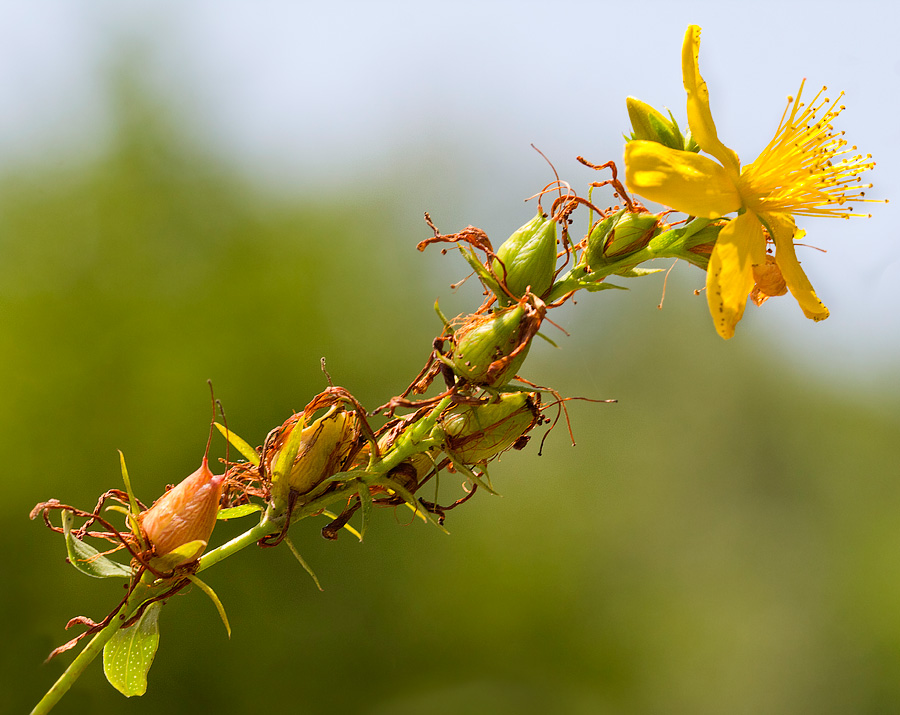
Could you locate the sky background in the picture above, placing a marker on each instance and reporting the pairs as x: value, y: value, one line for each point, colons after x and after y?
x: 302, y: 96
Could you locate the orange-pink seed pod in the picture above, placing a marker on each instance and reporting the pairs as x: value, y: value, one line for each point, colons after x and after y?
x: 185, y: 513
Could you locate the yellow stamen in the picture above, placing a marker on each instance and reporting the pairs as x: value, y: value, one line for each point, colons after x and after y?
x: 808, y: 168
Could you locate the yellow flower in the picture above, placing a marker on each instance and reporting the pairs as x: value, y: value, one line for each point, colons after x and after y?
x: 806, y: 170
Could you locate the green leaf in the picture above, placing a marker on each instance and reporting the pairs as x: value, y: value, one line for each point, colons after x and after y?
x: 212, y: 597
x: 465, y: 471
x: 633, y: 272
x: 129, y: 654
x: 594, y: 287
x: 178, y: 556
x: 306, y: 566
x: 236, y: 512
x: 365, y: 501
x: 132, y: 503
x: 407, y: 496
x: 346, y: 476
x: 86, y: 558
x: 247, y: 452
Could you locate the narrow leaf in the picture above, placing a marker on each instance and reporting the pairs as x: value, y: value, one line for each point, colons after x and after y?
x: 236, y: 512
x: 365, y: 501
x: 407, y: 496
x: 633, y: 272
x: 86, y: 558
x: 127, y: 657
x: 203, y: 586
x: 346, y: 476
x: 460, y: 467
x: 247, y: 452
x: 132, y: 503
x: 306, y: 566
x: 181, y: 555
x: 288, y: 454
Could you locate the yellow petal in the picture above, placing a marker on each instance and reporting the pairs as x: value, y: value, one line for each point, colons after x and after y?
x: 688, y: 182
x: 729, y: 277
x: 703, y: 129
x: 782, y: 228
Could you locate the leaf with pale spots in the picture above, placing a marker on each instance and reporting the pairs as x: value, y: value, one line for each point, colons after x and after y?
x: 127, y: 657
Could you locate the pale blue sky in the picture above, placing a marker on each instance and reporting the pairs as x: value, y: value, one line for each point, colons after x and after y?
x: 302, y: 95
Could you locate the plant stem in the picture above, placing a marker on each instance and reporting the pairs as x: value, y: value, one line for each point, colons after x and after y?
x: 90, y: 651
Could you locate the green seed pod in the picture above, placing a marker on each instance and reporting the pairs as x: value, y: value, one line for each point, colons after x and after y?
x: 618, y: 235
x: 651, y: 125
x: 323, y: 447
x: 477, y: 433
x: 489, y: 349
x: 527, y: 259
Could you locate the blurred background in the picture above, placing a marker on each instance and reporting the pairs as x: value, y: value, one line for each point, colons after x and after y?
x: 193, y: 191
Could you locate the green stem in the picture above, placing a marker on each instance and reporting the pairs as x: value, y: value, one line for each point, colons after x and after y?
x: 76, y: 668
x: 91, y: 651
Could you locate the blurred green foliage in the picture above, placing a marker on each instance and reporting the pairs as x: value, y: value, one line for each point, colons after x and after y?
x: 723, y: 540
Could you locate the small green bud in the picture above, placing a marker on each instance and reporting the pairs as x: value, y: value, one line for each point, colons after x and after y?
x: 651, y: 125
x: 477, y: 433
x: 692, y: 242
x: 527, y: 259
x: 619, y: 235
x: 489, y: 349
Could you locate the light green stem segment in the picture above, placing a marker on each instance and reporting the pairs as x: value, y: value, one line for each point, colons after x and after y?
x: 94, y: 647
x: 669, y: 244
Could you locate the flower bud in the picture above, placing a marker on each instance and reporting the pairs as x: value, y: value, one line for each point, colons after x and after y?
x: 477, y: 433
x: 324, y: 444
x: 619, y: 235
x: 527, y: 259
x: 489, y: 349
x: 688, y: 242
x: 184, y: 514
x: 651, y: 125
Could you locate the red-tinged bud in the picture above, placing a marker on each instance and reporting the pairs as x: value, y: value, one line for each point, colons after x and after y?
x: 184, y: 514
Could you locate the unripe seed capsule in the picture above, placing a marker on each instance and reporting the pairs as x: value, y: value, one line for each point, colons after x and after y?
x: 489, y: 349
x: 477, y: 433
x: 527, y: 259
x: 619, y: 235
